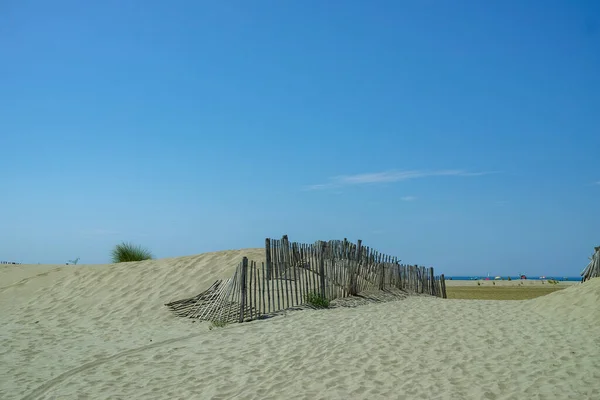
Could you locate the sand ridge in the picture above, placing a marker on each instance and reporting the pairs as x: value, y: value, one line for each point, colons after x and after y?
x: 102, y: 332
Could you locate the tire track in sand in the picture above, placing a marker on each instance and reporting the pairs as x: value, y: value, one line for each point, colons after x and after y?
x: 42, y: 389
x: 25, y: 280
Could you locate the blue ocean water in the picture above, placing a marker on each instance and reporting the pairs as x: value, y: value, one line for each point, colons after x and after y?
x: 537, y: 278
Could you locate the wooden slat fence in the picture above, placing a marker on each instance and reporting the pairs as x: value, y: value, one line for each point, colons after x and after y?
x: 295, y: 273
x: 593, y: 268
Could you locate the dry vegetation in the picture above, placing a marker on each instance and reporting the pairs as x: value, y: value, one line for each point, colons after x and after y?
x: 499, y: 292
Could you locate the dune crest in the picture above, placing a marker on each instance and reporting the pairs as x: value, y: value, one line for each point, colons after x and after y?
x: 121, y: 290
x: 580, y: 301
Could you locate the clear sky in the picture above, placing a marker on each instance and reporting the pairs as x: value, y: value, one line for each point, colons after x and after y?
x: 463, y: 135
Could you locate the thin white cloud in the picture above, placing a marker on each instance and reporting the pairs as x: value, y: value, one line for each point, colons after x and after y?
x: 388, y: 176
x: 317, y: 187
x: 408, y: 198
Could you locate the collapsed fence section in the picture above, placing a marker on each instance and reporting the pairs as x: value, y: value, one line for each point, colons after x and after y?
x: 302, y: 275
x: 593, y: 268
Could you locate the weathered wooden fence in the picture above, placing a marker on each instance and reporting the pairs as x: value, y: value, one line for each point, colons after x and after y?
x: 295, y: 275
x: 593, y: 268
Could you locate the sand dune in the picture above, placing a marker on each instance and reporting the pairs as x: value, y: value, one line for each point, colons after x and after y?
x: 577, y: 304
x: 102, y: 332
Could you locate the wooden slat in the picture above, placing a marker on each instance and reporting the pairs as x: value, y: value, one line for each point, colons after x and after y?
x: 262, y: 283
x: 276, y: 267
x: 443, y: 283
x: 314, y: 269
x: 302, y: 274
x: 322, y: 270
x: 249, y: 277
x: 256, y: 301
x: 243, y: 288
x: 268, y: 258
x: 294, y: 264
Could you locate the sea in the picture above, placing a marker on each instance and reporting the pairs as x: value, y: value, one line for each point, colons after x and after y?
x: 517, y: 277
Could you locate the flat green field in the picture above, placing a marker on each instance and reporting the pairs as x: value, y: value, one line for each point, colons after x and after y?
x: 499, y: 292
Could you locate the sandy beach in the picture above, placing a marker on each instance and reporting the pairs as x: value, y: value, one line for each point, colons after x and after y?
x: 512, y: 283
x: 103, y: 332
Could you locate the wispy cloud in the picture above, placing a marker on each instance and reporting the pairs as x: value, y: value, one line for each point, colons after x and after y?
x: 388, y: 176
x: 408, y: 198
x: 597, y: 183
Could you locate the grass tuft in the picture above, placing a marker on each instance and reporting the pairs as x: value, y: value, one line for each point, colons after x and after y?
x: 316, y: 300
x: 217, y: 324
x: 127, y: 252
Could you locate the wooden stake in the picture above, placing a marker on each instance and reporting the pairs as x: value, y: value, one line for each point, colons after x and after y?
x: 243, y: 288
x: 268, y: 258
x: 285, y: 251
x: 443, y: 283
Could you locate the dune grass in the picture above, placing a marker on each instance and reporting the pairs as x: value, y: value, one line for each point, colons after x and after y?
x: 316, y: 300
x: 499, y: 292
x: 127, y: 252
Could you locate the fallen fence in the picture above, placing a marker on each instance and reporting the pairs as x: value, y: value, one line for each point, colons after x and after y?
x: 304, y: 275
x: 593, y: 268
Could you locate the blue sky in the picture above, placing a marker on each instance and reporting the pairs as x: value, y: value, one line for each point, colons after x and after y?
x: 463, y: 135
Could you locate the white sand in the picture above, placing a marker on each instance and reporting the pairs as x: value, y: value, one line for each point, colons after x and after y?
x: 102, y: 332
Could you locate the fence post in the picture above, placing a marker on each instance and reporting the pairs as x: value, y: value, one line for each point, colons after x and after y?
x: 415, y: 271
x: 284, y: 259
x: 443, y: 284
x: 268, y: 258
x: 355, y: 266
x: 243, y: 288
x: 432, y: 277
x: 286, y: 251
x: 322, y: 268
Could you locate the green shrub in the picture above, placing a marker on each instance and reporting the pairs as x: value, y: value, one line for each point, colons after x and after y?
x: 509, y: 278
x: 316, y: 300
x: 126, y: 252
